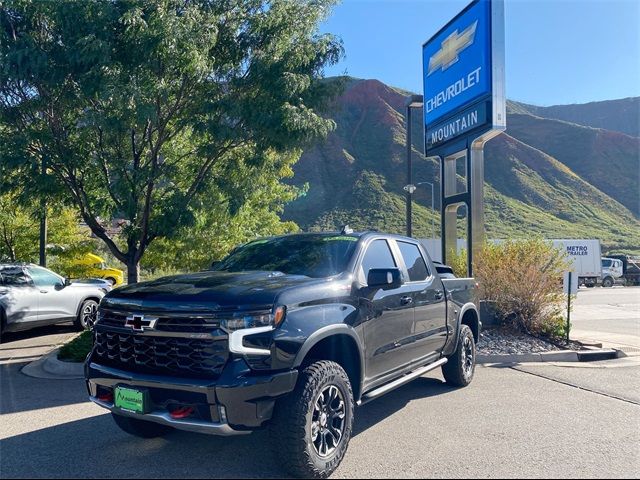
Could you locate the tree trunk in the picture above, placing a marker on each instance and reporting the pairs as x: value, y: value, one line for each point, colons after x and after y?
x: 133, y: 271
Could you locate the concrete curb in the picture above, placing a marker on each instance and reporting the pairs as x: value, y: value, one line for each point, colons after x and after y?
x: 49, y: 367
x: 555, y: 356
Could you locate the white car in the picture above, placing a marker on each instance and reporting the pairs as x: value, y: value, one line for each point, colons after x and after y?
x: 33, y: 296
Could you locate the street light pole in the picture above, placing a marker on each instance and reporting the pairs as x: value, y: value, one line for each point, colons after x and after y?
x: 413, y: 101
x: 410, y: 189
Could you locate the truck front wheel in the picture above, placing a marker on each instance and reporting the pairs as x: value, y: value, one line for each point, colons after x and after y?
x: 460, y: 367
x: 140, y: 428
x: 312, y: 425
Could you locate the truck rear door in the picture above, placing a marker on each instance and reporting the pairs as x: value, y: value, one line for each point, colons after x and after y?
x: 430, y: 312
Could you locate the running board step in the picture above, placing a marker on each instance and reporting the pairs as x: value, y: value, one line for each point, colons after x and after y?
x: 386, y: 388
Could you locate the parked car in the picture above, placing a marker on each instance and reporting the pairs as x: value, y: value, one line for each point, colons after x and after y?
x: 106, y: 285
x: 611, y: 272
x: 33, y: 296
x: 98, y: 268
x: 290, y: 332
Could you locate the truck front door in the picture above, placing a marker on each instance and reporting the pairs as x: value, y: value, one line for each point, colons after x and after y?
x: 387, y: 316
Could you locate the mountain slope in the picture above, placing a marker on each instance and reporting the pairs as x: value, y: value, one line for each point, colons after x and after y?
x: 357, y: 175
x: 608, y: 160
x: 621, y: 115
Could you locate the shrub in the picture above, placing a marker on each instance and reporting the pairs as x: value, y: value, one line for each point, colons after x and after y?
x: 458, y: 262
x: 524, y: 279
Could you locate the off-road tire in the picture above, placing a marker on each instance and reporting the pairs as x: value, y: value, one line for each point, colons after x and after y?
x: 457, y: 371
x: 80, y: 322
x: 140, y: 428
x: 291, y: 427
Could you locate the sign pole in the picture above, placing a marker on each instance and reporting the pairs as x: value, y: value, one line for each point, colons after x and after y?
x: 464, y: 107
x: 569, y: 308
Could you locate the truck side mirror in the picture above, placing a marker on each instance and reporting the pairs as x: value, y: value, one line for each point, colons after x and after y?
x: 384, y: 278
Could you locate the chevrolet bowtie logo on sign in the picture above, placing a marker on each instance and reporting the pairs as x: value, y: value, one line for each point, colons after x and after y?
x: 140, y: 323
x: 451, y: 48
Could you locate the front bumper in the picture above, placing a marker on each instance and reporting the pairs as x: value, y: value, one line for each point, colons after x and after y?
x: 234, y: 404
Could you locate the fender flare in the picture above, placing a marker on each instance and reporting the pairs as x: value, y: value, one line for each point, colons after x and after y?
x: 331, y: 331
x: 464, y: 309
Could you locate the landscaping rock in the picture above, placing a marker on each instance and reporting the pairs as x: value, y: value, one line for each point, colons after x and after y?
x: 500, y: 341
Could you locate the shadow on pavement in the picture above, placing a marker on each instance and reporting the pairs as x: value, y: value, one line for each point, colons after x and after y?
x: 96, y: 447
x: 372, y: 413
x: 21, y: 393
x: 11, y: 337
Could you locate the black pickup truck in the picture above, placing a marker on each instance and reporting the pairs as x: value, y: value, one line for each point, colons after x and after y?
x: 290, y: 332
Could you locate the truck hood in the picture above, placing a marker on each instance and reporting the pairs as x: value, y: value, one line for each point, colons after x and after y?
x: 205, y: 291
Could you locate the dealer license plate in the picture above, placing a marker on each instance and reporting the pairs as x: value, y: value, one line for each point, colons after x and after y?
x: 129, y: 399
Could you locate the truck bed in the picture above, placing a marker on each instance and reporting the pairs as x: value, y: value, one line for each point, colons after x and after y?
x: 462, y: 290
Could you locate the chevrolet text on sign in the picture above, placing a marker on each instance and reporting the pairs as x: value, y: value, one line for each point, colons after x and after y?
x: 460, y: 80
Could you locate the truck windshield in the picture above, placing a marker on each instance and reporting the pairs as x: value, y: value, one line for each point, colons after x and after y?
x: 314, y: 256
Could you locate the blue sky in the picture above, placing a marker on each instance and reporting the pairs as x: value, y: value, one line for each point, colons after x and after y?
x: 557, y: 51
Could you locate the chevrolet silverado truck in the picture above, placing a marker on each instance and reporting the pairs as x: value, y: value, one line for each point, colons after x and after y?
x: 289, y: 333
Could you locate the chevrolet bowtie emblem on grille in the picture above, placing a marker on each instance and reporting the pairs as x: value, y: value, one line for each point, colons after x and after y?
x: 140, y: 323
x: 451, y: 48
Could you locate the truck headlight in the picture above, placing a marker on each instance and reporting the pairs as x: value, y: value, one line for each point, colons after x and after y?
x: 244, y: 320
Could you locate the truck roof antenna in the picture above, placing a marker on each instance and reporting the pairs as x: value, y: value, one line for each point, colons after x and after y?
x: 346, y: 230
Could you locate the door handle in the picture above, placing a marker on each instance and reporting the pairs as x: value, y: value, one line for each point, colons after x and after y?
x: 406, y: 300
x: 439, y: 294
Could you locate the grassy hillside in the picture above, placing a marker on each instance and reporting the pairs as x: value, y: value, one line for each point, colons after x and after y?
x: 357, y: 175
x: 621, y: 115
x: 608, y: 160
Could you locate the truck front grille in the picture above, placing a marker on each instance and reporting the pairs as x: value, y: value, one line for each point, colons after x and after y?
x: 183, y: 356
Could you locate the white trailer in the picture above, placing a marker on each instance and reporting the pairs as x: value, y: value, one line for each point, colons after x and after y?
x: 585, y: 258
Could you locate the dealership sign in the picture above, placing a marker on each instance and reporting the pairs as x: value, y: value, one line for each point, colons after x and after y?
x: 464, y: 76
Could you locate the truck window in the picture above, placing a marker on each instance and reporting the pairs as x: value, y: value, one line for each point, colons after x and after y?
x: 314, y: 256
x: 606, y: 263
x: 378, y: 255
x: 416, y: 265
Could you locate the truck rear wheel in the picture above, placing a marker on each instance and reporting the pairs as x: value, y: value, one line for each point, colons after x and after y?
x: 140, y: 428
x: 460, y: 367
x: 312, y: 425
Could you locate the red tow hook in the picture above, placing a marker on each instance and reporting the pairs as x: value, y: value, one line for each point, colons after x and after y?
x: 182, y: 412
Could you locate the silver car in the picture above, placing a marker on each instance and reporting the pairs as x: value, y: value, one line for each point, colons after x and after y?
x: 33, y: 296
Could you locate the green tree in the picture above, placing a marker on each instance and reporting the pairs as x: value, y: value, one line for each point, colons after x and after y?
x: 19, y: 235
x: 140, y: 109
x: 216, y: 231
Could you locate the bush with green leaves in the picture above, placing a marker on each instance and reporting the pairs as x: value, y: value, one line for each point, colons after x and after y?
x: 523, y: 279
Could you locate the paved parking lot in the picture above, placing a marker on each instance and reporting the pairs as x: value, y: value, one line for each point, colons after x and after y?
x: 507, y: 423
x: 531, y: 420
x: 610, y: 316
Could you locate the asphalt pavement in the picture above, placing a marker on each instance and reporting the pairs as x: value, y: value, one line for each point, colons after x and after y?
x: 610, y: 316
x: 529, y: 420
